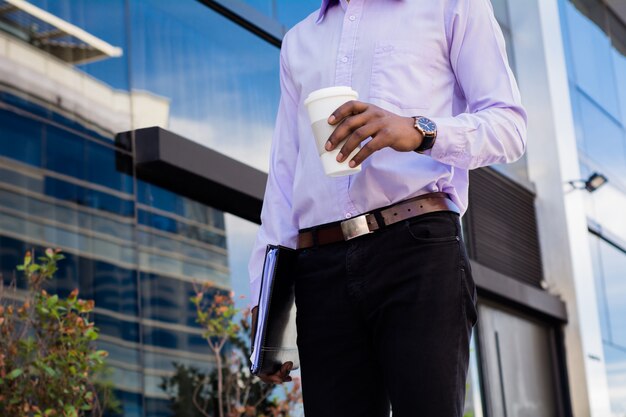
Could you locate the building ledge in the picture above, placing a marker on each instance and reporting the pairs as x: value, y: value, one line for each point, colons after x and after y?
x: 499, y: 286
x: 192, y: 170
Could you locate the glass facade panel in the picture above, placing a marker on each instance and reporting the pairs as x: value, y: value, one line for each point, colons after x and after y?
x: 241, y: 236
x: 132, y: 247
x: 501, y: 10
x: 20, y: 139
x: 606, y: 208
x: 597, y: 74
x: 603, y: 138
x: 619, y: 68
x: 600, y: 285
x: 615, y: 359
x: 287, y: 12
x: 103, y: 19
x: 220, y: 81
x: 291, y: 12
x: 610, y: 280
x: 264, y: 6
x: 591, y: 51
x: 473, y: 386
x: 613, y: 266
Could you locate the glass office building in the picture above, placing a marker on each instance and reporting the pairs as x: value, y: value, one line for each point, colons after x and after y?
x: 75, y: 74
x: 595, y: 44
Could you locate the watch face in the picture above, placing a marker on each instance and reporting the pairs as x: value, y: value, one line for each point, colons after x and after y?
x: 427, y: 125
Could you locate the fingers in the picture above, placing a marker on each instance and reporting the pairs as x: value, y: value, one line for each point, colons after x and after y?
x: 358, y: 136
x: 347, y: 109
x: 347, y: 127
x: 369, y: 148
x: 282, y: 375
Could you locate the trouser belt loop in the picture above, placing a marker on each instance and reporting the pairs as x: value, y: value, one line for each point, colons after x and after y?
x: 380, y: 220
x: 315, y: 238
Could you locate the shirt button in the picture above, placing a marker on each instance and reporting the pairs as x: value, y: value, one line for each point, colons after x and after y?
x: 348, y: 215
x: 344, y: 59
x: 352, y: 17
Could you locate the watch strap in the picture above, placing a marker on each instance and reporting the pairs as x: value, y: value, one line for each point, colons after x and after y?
x: 428, y: 138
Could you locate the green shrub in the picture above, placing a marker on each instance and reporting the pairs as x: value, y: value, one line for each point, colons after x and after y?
x: 48, y: 362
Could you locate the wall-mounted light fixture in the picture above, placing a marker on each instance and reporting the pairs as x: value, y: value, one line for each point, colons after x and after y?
x: 591, y: 184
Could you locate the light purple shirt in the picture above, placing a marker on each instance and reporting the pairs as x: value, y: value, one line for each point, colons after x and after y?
x: 442, y: 59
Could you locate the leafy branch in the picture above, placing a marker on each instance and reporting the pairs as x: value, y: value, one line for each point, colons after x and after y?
x: 48, y: 362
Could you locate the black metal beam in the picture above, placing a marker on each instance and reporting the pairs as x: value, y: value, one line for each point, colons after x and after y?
x: 246, y: 16
x: 197, y: 172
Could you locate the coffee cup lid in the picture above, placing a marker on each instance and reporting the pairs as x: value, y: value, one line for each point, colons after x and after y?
x: 330, y: 92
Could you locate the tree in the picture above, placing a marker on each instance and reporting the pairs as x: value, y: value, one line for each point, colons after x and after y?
x: 48, y: 362
x: 228, y: 389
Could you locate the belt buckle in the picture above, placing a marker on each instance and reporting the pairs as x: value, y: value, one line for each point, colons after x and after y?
x: 355, y: 227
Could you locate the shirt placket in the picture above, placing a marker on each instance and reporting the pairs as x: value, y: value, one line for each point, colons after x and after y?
x: 343, y: 76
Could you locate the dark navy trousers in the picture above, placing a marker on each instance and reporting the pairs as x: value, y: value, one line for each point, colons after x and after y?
x: 384, y: 321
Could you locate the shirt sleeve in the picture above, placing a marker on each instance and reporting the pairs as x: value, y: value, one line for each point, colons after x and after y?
x: 493, y: 128
x: 277, y: 224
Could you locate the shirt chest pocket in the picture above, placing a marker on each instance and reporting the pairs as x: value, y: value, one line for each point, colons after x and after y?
x: 402, y: 74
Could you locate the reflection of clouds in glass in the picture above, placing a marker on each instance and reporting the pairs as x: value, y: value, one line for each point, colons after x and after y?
x: 613, y: 264
x: 246, y: 142
x: 221, y: 80
x: 609, y: 203
x: 616, y: 373
x: 195, y: 57
x: 241, y: 235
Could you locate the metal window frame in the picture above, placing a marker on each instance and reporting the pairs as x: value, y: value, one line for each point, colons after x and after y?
x: 250, y: 19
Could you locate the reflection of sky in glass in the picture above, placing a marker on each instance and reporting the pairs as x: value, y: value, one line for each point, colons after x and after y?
x: 614, y: 272
x: 607, y: 208
x: 222, y: 81
x: 598, y: 77
x: 600, y: 286
x: 291, y: 12
x: 591, y: 53
x: 240, y: 236
x: 610, y: 280
x: 287, y: 12
x: 222, y: 86
x: 619, y: 61
x: 603, y: 138
x: 103, y: 19
x: 616, y: 373
x: 264, y: 6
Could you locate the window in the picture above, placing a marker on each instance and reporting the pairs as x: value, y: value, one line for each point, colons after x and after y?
x: 610, y: 280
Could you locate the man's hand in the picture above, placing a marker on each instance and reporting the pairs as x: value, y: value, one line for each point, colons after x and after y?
x: 282, y: 375
x: 358, y: 121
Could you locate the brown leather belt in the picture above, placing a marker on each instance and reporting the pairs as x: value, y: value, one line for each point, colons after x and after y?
x: 370, y: 222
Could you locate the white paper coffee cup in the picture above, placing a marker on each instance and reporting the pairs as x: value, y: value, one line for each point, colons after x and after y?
x: 320, y: 105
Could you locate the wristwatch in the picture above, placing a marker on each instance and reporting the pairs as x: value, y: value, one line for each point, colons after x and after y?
x: 428, y: 129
